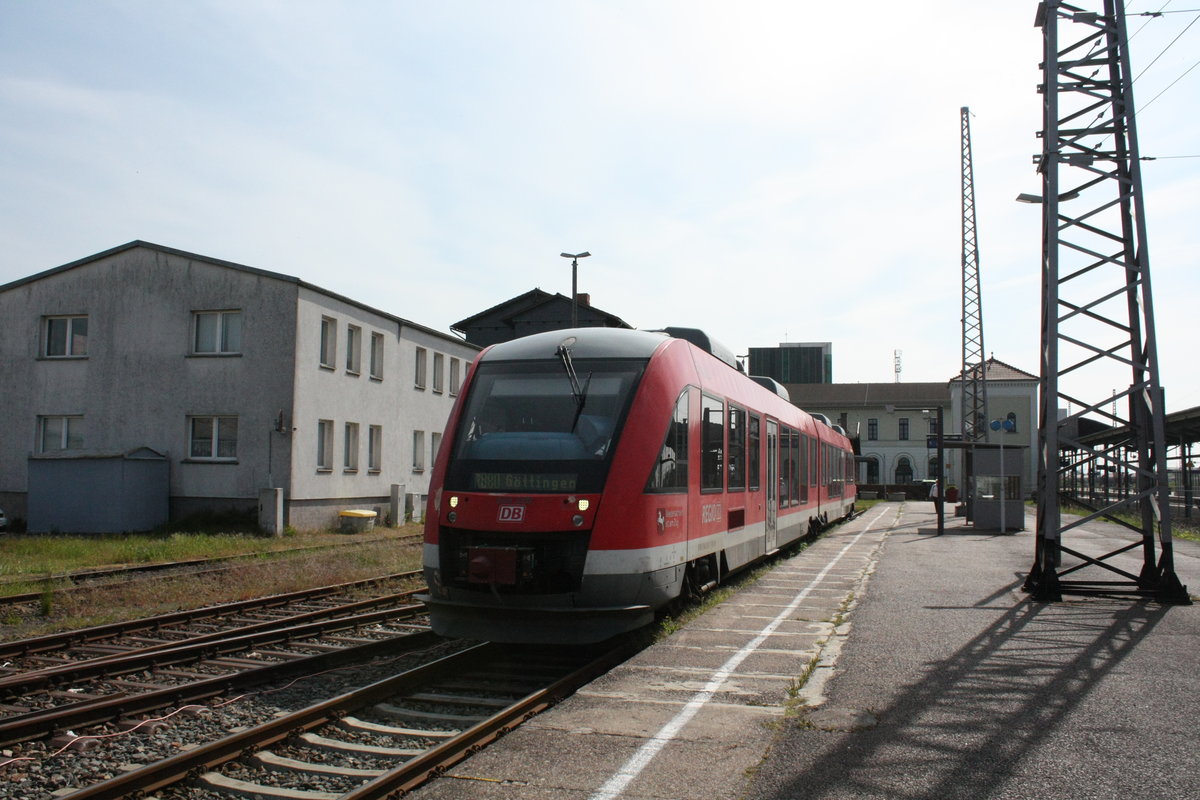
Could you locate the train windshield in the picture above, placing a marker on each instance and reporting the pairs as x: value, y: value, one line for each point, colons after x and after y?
x: 541, y: 426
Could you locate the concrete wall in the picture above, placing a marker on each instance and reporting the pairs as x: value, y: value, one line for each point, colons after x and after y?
x: 393, y: 401
x: 140, y: 382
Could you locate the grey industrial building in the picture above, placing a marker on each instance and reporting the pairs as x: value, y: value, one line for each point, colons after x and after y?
x: 214, y: 381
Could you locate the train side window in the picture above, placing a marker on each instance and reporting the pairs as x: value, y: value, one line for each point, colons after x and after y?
x: 798, y: 492
x: 670, y: 472
x: 712, y: 443
x: 787, y: 466
x: 753, y: 452
x: 812, y: 459
x: 737, y: 449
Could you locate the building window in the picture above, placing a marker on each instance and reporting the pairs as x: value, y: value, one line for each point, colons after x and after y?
x: 350, y: 450
x: 325, y: 445
x: 435, y: 444
x: 328, y: 342
x: 66, y: 337
x: 60, y: 433
x: 872, y: 470
x: 419, y: 374
x: 217, y: 332
x: 455, y: 380
x: 872, y: 429
x: 353, y: 349
x: 377, y: 356
x: 375, y: 448
x: 904, y: 470
x: 213, y: 438
x: 439, y: 369
x: 903, y: 429
x: 418, y: 458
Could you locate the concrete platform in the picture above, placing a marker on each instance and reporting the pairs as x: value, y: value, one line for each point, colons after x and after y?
x: 884, y: 661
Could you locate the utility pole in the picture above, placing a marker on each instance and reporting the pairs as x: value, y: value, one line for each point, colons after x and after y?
x: 1097, y: 311
x: 974, y: 377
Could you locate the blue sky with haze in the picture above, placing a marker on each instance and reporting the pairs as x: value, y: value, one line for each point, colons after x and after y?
x: 768, y: 171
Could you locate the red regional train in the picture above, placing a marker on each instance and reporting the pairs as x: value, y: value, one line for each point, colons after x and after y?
x: 589, y: 477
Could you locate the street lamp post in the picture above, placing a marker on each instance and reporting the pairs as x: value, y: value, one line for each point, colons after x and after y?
x: 941, y: 462
x: 575, y: 284
x: 1006, y: 425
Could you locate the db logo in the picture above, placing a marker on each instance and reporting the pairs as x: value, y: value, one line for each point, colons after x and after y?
x: 512, y: 514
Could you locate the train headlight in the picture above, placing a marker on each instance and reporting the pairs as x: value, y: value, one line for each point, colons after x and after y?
x: 583, y: 505
x: 452, y: 516
x: 577, y: 520
x: 454, y: 501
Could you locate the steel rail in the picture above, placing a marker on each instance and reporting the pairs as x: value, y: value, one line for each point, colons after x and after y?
x: 437, y: 760
x: 172, y: 770
x: 58, y: 641
x: 140, y: 782
x: 40, y: 724
x: 204, y: 647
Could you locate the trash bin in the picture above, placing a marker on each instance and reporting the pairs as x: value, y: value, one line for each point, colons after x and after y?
x: 356, y: 520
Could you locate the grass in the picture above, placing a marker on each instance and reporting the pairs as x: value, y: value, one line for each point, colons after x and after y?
x: 273, y: 570
x: 37, y: 557
x: 1180, y: 529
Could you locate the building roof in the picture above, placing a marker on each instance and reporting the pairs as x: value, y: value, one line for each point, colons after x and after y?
x: 138, y: 243
x: 518, y: 305
x: 867, y: 395
x: 995, y: 370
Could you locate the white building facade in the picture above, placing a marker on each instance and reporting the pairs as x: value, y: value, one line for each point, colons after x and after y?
x: 895, y: 423
x: 243, y: 379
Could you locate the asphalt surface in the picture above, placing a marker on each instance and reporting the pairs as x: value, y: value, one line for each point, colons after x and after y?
x: 952, y: 684
x: 884, y: 661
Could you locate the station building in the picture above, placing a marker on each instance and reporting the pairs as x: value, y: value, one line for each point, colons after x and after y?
x: 895, y: 422
x: 224, y: 380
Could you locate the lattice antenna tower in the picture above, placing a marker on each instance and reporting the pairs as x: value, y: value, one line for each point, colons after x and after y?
x: 1097, y: 313
x: 974, y: 377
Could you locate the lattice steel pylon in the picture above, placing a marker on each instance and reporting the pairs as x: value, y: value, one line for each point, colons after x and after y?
x: 1097, y: 314
x: 974, y: 387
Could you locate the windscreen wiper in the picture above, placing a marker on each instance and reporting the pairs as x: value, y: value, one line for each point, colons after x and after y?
x: 579, y: 393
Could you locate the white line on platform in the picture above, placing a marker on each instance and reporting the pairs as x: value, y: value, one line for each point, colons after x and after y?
x: 613, y: 787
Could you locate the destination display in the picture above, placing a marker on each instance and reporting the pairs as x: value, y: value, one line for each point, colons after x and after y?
x: 523, y: 482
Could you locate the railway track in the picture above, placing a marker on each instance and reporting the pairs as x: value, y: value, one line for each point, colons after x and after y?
x: 377, y: 740
x: 116, y: 683
x: 167, y: 630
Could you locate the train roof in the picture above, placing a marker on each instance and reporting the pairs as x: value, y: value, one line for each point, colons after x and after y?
x: 583, y: 343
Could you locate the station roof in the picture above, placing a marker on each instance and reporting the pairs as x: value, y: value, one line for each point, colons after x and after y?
x: 1181, y: 427
x: 816, y: 396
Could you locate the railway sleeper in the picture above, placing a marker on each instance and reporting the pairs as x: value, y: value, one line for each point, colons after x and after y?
x: 458, y: 699
x: 258, y: 791
x: 339, y: 746
x: 464, y: 721
x: 285, y: 655
x: 352, y: 723
x: 500, y: 684
x: 279, y: 763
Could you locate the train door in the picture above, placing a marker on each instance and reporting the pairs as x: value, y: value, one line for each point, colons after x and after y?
x: 772, y: 515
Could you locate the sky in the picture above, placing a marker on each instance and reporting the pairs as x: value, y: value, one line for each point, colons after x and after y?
x: 766, y: 171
